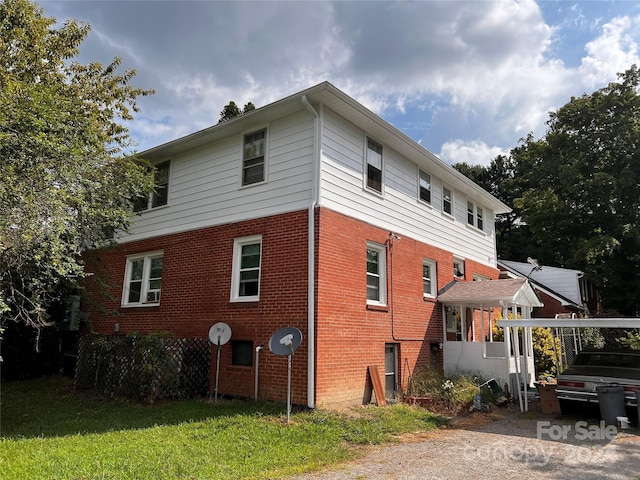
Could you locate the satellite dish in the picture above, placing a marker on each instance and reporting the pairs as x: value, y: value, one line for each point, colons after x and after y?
x: 220, y: 333
x: 285, y: 341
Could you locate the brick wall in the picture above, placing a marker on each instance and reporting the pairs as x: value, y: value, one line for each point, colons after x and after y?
x: 196, y: 286
x: 351, y: 336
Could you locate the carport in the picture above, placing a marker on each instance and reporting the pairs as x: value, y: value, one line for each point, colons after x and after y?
x: 558, y: 323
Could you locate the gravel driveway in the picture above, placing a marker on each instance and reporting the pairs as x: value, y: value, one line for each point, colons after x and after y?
x: 503, y: 445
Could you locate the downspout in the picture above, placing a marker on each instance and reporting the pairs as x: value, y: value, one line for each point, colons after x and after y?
x: 390, y: 242
x: 311, y: 256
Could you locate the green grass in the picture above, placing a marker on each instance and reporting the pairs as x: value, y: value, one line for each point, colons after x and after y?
x: 49, y: 432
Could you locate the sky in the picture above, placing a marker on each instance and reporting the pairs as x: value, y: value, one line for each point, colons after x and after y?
x: 465, y: 79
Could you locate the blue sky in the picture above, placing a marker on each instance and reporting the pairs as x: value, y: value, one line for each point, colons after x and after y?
x: 466, y: 79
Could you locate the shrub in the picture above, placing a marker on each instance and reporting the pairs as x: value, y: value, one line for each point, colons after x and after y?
x: 447, y: 394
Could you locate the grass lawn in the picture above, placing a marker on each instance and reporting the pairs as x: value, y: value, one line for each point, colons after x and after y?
x: 49, y: 432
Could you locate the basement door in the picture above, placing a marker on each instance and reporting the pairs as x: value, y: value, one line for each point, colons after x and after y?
x: 391, y: 371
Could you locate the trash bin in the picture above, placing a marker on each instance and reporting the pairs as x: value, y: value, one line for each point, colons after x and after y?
x: 611, y: 400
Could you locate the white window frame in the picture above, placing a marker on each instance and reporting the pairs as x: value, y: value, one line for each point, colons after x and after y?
x: 238, y: 244
x: 475, y: 215
x: 265, y: 155
x: 145, y: 289
x: 460, y: 267
x: 381, y: 274
x: 471, y: 213
x: 430, y: 189
x: 151, y: 198
x: 480, y: 218
x: 451, y: 213
x: 433, y: 279
x: 366, y: 165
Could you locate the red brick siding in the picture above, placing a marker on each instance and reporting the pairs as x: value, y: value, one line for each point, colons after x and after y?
x: 196, y: 286
x: 349, y: 336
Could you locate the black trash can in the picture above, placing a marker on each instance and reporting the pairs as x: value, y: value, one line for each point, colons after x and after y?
x: 611, y: 400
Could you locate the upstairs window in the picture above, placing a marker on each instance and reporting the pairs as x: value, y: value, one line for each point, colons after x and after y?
x: 474, y: 216
x: 471, y: 215
x: 479, y: 219
x: 245, y: 284
x: 376, y: 274
x: 429, y: 280
x: 160, y: 195
x: 253, y: 157
x: 447, y: 201
x: 142, y: 280
x: 424, y: 187
x: 374, y: 165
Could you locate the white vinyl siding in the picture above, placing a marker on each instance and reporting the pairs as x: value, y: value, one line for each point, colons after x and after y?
x: 398, y: 210
x: 206, y: 189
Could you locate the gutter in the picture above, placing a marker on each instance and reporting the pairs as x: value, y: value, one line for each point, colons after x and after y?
x: 311, y: 257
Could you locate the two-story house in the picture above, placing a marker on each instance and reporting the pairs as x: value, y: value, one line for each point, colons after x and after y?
x: 311, y: 212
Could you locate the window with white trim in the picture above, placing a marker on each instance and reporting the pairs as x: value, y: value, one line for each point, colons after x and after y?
x: 374, y: 165
x: 429, y: 279
x: 245, y: 282
x: 160, y: 194
x: 471, y: 214
x: 458, y: 268
x: 376, y: 274
x: 447, y: 201
x: 253, y: 157
x: 142, y: 280
x: 424, y: 186
x: 474, y: 215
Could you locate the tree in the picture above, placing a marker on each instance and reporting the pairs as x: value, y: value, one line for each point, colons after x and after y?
x: 232, y: 110
x: 67, y: 183
x: 576, y: 191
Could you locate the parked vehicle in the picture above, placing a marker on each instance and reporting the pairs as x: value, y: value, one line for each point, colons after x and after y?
x: 595, y: 368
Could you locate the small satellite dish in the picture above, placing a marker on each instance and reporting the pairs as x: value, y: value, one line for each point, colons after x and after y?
x: 285, y: 341
x: 220, y: 333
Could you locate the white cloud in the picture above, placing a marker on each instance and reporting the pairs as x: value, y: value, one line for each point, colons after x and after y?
x: 474, y: 152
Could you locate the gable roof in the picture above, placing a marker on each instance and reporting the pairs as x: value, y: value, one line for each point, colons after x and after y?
x: 331, y: 97
x: 489, y: 293
x: 560, y: 283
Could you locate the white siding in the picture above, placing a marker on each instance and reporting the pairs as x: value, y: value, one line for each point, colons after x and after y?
x: 205, y: 189
x: 398, y: 208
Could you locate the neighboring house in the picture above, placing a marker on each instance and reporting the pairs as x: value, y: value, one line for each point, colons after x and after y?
x: 562, y: 290
x: 310, y: 212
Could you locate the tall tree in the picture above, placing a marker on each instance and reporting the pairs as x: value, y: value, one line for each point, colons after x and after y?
x: 232, y: 110
x: 576, y: 191
x: 66, y: 181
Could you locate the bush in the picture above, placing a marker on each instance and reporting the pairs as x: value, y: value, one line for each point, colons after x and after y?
x: 447, y: 394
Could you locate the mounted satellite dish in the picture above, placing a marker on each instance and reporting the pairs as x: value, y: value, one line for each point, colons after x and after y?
x: 220, y: 333
x: 285, y: 341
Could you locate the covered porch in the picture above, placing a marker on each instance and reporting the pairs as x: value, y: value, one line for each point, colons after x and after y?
x: 473, y: 344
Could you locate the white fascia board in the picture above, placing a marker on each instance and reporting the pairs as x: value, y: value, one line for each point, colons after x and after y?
x: 572, y: 322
